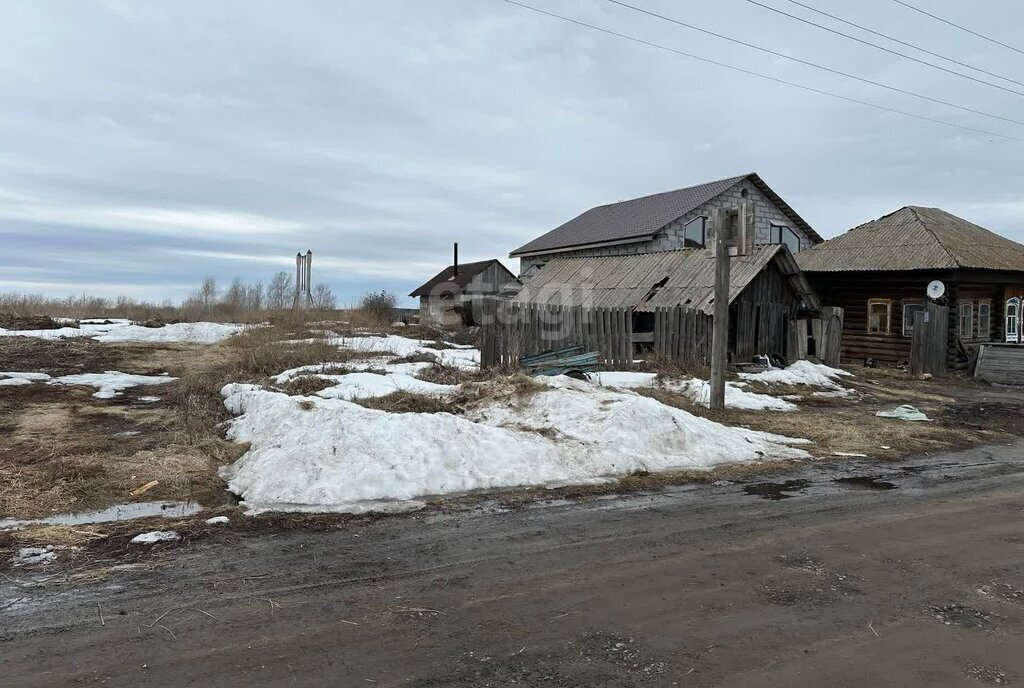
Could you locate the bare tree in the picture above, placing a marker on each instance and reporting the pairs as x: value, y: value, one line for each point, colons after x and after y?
x: 234, y: 297
x: 378, y: 306
x: 254, y: 297
x: 281, y: 290
x: 323, y: 297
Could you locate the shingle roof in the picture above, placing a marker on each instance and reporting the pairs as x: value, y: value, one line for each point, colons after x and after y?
x: 467, y: 271
x: 686, y: 277
x: 914, y: 238
x: 640, y: 218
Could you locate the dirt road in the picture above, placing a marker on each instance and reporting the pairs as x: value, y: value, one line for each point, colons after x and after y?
x: 911, y: 574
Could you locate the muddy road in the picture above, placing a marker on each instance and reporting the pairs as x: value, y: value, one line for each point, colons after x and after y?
x: 849, y: 574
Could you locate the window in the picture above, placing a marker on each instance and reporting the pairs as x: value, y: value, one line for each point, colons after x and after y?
x: 1013, y: 320
x: 878, y: 316
x: 693, y: 233
x: 966, y: 318
x: 909, y: 309
x: 781, y: 234
x: 984, y: 319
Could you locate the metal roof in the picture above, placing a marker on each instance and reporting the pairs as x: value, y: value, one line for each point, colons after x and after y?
x: 914, y: 238
x: 641, y: 218
x: 467, y: 271
x: 648, y: 280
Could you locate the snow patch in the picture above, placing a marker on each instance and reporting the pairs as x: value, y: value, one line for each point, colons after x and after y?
x: 155, y: 536
x: 338, y: 456
x: 699, y: 391
x: 364, y: 385
x: 121, y: 330
x: 111, y: 383
x: 217, y: 521
x: 800, y: 373
x: 623, y: 379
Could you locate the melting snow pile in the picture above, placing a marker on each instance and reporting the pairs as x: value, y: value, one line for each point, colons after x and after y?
x: 32, y: 556
x: 124, y: 331
x: 363, y: 385
x: 333, y: 455
x: 736, y: 397
x: 800, y: 373
x: 696, y: 390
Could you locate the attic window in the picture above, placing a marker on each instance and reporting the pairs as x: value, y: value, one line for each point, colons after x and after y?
x: 693, y: 233
x: 781, y: 234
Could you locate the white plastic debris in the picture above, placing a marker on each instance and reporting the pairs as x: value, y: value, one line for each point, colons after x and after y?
x: 904, y: 412
x: 155, y: 536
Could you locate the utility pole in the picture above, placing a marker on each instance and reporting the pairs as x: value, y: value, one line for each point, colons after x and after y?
x: 721, y: 220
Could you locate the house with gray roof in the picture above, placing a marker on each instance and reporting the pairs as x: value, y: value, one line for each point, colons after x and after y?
x: 669, y: 221
x: 878, y: 272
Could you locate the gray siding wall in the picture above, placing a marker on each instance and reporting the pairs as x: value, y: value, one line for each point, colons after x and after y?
x: 490, y: 281
x: 671, y: 237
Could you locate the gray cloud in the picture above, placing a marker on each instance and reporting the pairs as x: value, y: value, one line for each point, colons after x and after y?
x: 147, y: 145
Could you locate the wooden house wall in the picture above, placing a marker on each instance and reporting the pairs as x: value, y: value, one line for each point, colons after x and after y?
x: 852, y: 291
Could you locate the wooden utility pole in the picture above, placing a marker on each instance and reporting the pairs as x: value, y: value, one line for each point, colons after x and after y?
x: 721, y: 219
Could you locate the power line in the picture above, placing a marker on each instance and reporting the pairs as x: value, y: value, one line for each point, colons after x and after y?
x: 895, y: 89
x: 962, y: 28
x: 902, y: 42
x: 803, y: 87
x: 882, y: 47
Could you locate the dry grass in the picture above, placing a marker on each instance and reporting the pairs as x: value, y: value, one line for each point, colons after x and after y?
x: 402, y: 401
x: 838, y: 425
x: 307, y: 385
x: 449, y: 375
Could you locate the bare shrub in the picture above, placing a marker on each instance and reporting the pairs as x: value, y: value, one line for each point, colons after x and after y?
x: 378, y: 307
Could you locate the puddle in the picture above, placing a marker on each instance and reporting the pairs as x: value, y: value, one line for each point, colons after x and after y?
x: 121, y: 512
x: 776, y: 490
x: 865, y: 482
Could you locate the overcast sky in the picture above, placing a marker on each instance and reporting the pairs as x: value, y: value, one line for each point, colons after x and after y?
x: 146, y: 145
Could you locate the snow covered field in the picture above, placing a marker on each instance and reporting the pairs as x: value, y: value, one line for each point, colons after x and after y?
x: 124, y: 331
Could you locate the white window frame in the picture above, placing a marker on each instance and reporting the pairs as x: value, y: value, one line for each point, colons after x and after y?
x: 908, y: 323
x: 703, y: 231
x: 969, y: 305
x: 1014, y: 334
x: 775, y: 236
x: 888, y: 314
x: 986, y: 331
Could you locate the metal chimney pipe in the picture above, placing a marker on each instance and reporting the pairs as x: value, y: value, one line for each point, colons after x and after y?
x: 309, y: 273
x: 455, y: 261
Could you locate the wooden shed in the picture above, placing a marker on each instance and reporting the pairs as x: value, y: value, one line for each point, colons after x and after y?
x: 878, y: 273
x: 452, y: 296
x: 658, y: 292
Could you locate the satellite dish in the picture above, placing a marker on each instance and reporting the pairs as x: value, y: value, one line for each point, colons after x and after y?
x: 936, y: 289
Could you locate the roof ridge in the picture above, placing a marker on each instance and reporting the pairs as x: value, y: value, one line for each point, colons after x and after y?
x: 924, y: 225
x: 735, y: 178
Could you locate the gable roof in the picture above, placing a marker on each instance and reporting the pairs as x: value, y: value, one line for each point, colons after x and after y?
x: 915, y: 238
x: 467, y: 271
x: 686, y: 277
x: 640, y: 219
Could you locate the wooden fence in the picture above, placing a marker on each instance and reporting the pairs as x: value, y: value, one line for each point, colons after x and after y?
x: 510, y: 331
x: 930, y: 340
x: 682, y: 334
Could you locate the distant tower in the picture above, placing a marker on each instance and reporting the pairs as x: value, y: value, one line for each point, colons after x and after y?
x: 304, y: 279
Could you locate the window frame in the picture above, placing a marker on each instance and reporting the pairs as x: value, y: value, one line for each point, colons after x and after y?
x: 703, y: 231
x: 888, y: 315
x: 909, y: 331
x: 969, y: 305
x: 775, y: 236
x: 985, y: 333
x: 1016, y: 302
